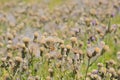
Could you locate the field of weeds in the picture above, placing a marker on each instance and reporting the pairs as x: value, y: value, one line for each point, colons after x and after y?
x: 59, y: 40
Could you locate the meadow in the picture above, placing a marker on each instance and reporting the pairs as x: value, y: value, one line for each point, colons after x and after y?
x: 59, y: 40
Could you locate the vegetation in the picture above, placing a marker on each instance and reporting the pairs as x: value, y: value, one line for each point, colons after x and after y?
x: 59, y: 40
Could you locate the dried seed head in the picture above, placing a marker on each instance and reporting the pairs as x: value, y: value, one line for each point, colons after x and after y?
x: 6, y: 77
x: 26, y: 40
x: 10, y: 36
x: 10, y: 42
x: 18, y: 59
x: 89, y: 74
x: 37, y: 78
x: 81, y: 44
x: 9, y: 55
x: 89, y: 54
x: 3, y: 59
x: 58, y: 65
x: 42, y: 49
x: 73, y: 39
x: 112, y: 62
x: 22, y: 46
x: 80, y: 52
x: 97, y: 50
x: 118, y: 72
x: 118, y: 55
x: 92, y: 11
x: 1, y: 44
x: 24, y: 68
x: 68, y: 47
x: 106, y: 48
x: 62, y: 46
x: 100, y: 65
x: 48, y: 78
x: 36, y: 34
x: 9, y: 46
x: 112, y: 70
x: 59, y: 56
x: 103, y: 70
x: 50, y: 70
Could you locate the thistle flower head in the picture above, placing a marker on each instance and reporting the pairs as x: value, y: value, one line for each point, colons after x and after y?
x: 18, y: 59
x: 118, y: 72
x: 10, y: 36
x: 26, y: 41
x: 68, y: 47
x: 3, y: 59
x: 100, y: 65
x: 118, y: 55
x: 106, y: 48
x: 111, y: 70
x: 48, y: 78
x: 36, y: 34
x: 112, y: 62
x: 9, y: 55
x: 73, y: 39
x: 97, y: 50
